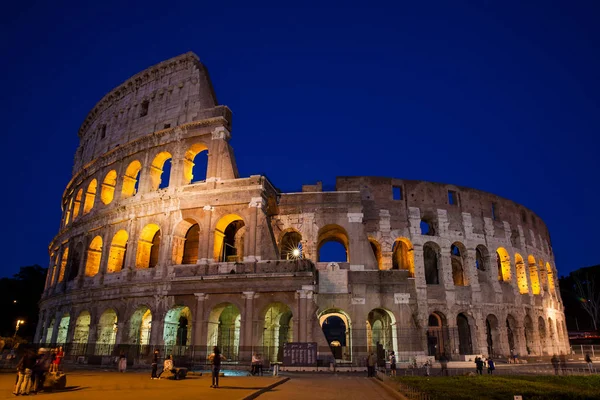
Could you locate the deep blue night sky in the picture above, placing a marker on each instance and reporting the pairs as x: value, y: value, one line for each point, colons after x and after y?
x: 501, y: 96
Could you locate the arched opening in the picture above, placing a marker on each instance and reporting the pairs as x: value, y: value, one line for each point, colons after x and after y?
x: 81, y: 332
x: 437, y: 335
x: 430, y: 259
x: 63, y: 264
x: 465, y: 344
x: 68, y: 212
x: 195, y: 163
x: 139, y: 326
x: 160, y: 171
x: 107, y: 194
x: 278, y: 329
x: 529, y: 343
x: 521, y: 274
x: 229, y: 239
x: 382, y: 335
x: 290, y: 245
x: 403, y: 256
x: 178, y: 329
x: 511, y: 326
x: 337, y: 328
x: 107, y: 332
x: 131, y: 179
x: 186, y: 242
x: 492, y: 334
x: 427, y: 227
x: 74, y: 262
x: 90, y: 196
x: 63, y: 329
x: 551, y: 287
x: 332, y: 244
x: 77, y: 205
x: 533, y: 275
x: 49, y: 331
x: 543, y: 275
x: 224, y: 330
x: 118, y: 251
x: 458, y: 255
x: 551, y: 333
x: 148, y: 247
x: 94, y: 255
x: 376, y: 249
x: 542, y: 332
x: 503, y: 263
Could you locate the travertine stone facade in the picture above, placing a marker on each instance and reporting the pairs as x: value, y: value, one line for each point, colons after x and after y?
x: 191, y: 258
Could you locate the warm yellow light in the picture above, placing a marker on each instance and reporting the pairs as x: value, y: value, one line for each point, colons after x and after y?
x: 296, y: 252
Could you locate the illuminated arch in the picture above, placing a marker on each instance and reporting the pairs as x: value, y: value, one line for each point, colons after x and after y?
x: 63, y: 264
x: 376, y: 249
x: 224, y: 322
x: 550, y: 278
x: 186, y: 242
x: 290, y: 245
x: 107, y: 193
x: 156, y: 170
x: 403, y: 255
x: 503, y: 263
x: 381, y: 328
x: 229, y: 238
x: 278, y: 329
x: 458, y: 256
x: 90, y: 196
x: 94, y: 255
x: 190, y: 160
x: 336, y: 315
x: 131, y: 179
x: 81, y: 333
x: 533, y: 275
x: 77, y: 204
x: 521, y: 274
x: 63, y: 329
x: 68, y: 211
x: 333, y: 233
x: 140, y: 325
x: 118, y: 250
x: 107, y: 332
x: 148, y: 247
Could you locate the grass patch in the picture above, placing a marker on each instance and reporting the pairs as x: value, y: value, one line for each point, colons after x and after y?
x: 505, y: 387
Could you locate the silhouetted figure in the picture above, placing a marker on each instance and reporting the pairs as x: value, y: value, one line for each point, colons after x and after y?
x: 479, y: 365
x: 371, y: 362
x: 491, y: 366
x: 588, y: 360
x: 444, y: 363
x: 154, y: 364
x: 215, y: 359
x: 555, y: 362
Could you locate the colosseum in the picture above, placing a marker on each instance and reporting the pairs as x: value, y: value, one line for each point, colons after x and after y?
x: 163, y: 244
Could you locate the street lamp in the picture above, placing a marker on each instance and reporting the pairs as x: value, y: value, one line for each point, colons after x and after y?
x: 19, y: 323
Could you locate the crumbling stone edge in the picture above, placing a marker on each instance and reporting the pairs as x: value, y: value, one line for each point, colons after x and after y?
x: 266, y: 389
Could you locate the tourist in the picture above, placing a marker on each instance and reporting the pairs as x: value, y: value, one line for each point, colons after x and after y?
x: 42, y: 365
x: 254, y: 364
x: 444, y: 363
x: 392, y: 364
x: 58, y: 356
x: 259, y: 367
x: 371, y: 361
x: 167, y: 365
x: 479, y: 365
x: 122, y: 362
x: 25, y: 369
x: 554, y: 360
x: 215, y: 359
x: 588, y: 360
x: 427, y: 366
x: 490, y: 366
x: 154, y: 364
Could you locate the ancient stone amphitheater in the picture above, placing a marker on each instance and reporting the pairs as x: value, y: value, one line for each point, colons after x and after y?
x: 163, y: 244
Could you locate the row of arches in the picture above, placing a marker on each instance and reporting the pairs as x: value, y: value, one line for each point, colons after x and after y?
x: 81, y: 201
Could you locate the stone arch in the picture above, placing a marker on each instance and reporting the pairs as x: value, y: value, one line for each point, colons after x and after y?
x: 107, y: 332
x: 68, y: 211
x: 492, y: 335
x: 148, y: 247
x: 131, y: 179
x: 94, y: 256
x: 77, y: 204
x: 81, y: 333
x: 90, y: 196
x: 140, y: 325
x: 178, y: 327
x: 533, y: 275
x: 192, y: 155
x: 482, y: 258
x: 74, y: 261
x: 63, y: 264
x: 107, y: 193
x: 229, y: 238
x: 63, y: 329
x: 403, y: 255
x: 521, y: 274
x: 458, y: 255
x: 437, y: 335
x: 290, y: 245
x: 224, y: 324
x: 337, y: 328
x: 503, y: 263
x: 465, y: 338
x: 543, y: 337
x: 427, y: 225
x: 278, y: 329
x: 550, y: 274
x: 117, y: 252
x: 551, y: 332
x: 529, y: 340
x: 156, y: 171
x: 431, y: 259
x: 186, y: 242
x: 381, y: 329
x: 511, y: 334
x: 333, y: 233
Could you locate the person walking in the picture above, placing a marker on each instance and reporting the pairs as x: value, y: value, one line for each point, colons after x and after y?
x: 490, y: 366
x: 554, y: 360
x: 392, y: 364
x: 154, y: 364
x: 122, y: 361
x: 371, y: 361
x: 215, y: 359
x: 588, y: 360
x: 444, y: 363
x: 479, y: 365
x: 167, y: 365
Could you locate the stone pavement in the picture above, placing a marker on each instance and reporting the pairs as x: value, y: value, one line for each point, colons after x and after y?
x: 325, y: 386
x: 96, y: 385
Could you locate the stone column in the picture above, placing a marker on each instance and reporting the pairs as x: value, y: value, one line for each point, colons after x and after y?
x: 520, y: 341
x: 121, y: 328
x: 216, y: 154
x: 57, y: 318
x: 199, y: 323
x: 256, y: 204
x: 158, y: 323
x: 301, y: 295
x: 205, y: 252
x: 247, y: 342
x: 40, y: 325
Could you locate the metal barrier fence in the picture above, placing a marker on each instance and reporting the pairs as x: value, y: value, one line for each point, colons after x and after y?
x: 583, y: 349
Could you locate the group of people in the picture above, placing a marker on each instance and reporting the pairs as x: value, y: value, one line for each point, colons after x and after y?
x: 33, y: 367
x: 480, y: 363
x: 215, y: 359
x: 167, y: 365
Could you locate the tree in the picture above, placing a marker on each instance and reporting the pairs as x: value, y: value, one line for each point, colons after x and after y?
x: 586, y: 289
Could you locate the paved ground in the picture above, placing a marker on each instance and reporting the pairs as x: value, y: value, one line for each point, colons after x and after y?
x: 96, y: 385
x: 303, y: 386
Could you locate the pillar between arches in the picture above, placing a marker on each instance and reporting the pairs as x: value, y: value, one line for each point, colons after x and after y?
x: 247, y: 322
x: 199, y: 325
